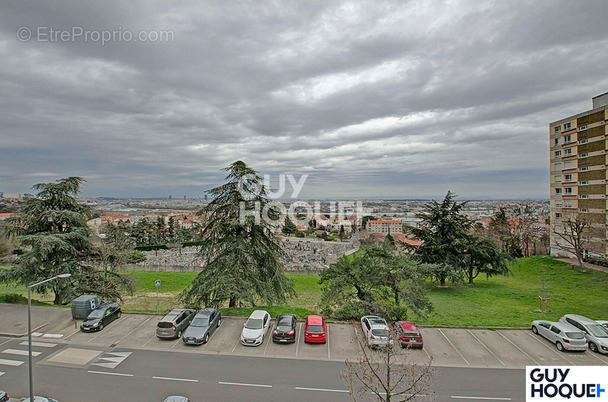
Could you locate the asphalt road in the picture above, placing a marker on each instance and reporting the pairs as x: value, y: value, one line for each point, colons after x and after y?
x: 152, y: 375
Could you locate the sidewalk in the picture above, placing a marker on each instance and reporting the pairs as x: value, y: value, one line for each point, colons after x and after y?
x: 13, y: 321
x: 585, y: 264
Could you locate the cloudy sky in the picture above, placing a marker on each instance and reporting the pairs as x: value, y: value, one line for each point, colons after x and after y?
x: 395, y: 99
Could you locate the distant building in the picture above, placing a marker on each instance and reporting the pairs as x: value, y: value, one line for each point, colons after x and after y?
x: 384, y: 226
x: 578, y: 161
x: 11, y: 196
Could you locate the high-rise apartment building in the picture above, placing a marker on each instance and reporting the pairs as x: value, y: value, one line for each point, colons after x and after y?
x: 578, y: 158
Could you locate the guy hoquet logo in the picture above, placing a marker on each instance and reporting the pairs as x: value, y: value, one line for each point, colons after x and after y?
x: 579, y: 383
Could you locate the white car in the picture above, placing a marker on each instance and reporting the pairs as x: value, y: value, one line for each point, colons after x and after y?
x: 561, y: 334
x: 375, y: 330
x: 255, y: 329
x: 595, y: 333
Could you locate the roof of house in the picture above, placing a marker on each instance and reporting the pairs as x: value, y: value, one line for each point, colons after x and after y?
x: 382, y: 221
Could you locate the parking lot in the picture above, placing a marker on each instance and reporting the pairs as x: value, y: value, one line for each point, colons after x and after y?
x: 448, y: 347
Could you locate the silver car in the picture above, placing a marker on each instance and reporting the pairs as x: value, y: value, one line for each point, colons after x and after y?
x: 561, y: 334
x: 376, y: 331
x: 255, y: 329
x: 595, y: 333
x: 174, y: 323
x: 205, y: 322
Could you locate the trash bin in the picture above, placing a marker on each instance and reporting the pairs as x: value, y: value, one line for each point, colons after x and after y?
x: 83, y: 305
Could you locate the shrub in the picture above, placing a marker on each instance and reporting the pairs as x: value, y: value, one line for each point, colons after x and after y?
x: 13, y: 298
x: 136, y: 256
x: 152, y: 247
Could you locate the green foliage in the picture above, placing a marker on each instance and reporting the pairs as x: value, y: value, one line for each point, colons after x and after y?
x: 299, y: 233
x: 191, y: 243
x: 375, y: 281
x: 367, y: 218
x: 136, y: 256
x: 13, y: 298
x: 289, y: 228
x: 241, y: 260
x: 152, y: 247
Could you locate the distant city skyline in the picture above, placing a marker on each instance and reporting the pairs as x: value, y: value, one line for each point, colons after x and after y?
x: 371, y: 99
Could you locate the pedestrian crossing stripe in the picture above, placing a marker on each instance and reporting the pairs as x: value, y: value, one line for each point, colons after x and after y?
x: 112, y: 359
x: 13, y: 363
x: 20, y: 352
x: 40, y: 344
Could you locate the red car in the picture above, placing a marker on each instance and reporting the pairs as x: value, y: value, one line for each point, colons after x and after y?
x: 314, y: 329
x: 409, y: 335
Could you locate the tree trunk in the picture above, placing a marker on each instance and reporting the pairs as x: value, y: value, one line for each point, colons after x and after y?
x: 232, y: 302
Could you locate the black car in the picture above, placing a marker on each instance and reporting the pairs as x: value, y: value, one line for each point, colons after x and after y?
x: 101, y: 316
x: 204, y: 323
x: 284, y: 330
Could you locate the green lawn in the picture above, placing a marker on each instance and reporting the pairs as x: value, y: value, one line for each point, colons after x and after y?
x: 499, y: 301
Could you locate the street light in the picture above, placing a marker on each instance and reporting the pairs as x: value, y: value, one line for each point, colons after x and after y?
x: 29, y: 326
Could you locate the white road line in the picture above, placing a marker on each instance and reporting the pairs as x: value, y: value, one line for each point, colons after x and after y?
x: 597, y: 357
x: 108, y: 373
x: 1, y: 373
x: 267, y: 342
x: 174, y: 379
x: 483, y: 398
x: 20, y: 352
x: 542, y: 342
x: 149, y: 340
x: 427, y: 353
x: 518, y: 348
x: 322, y: 389
x: 457, y: 351
x: 130, y: 332
x: 327, y: 341
x: 178, y: 340
x: 298, y: 340
x: 236, y: 344
x: 482, y: 344
x: 242, y: 384
x: 40, y: 344
x: 72, y: 334
x: 52, y: 336
x: 13, y: 363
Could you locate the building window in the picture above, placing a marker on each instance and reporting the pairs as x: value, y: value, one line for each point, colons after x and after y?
x: 583, y: 196
x: 583, y: 155
x: 558, y: 166
x: 568, y: 204
x: 568, y: 190
x: 568, y: 177
x: 582, y: 128
x: 568, y: 152
x: 583, y: 210
x: 567, y: 126
x: 557, y: 129
x: 567, y: 139
x: 583, y: 182
x: 558, y: 215
x: 583, y: 169
x: 583, y: 141
x: 558, y: 154
x: 558, y: 191
x: 568, y: 165
x: 558, y: 179
x: 555, y: 141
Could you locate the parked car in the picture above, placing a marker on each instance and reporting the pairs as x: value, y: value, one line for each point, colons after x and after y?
x: 603, y: 323
x: 376, y: 332
x: 284, y: 328
x: 4, y: 396
x: 595, y: 333
x: 176, y: 398
x: 561, y: 334
x: 203, y: 325
x: 255, y: 329
x: 314, y: 329
x: 409, y: 334
x: 38, y: 398
x: 101, y: 316
x: 174, y: 323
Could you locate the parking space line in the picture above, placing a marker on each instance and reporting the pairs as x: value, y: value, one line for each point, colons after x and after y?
x: 110, y: 373
x: 481, y: 398
x: 242, y: 384
x: 597, y: 357
x: 174, y: 379
x: 518, y: 348
x: 298, y: 340
x: 176, y: 342
x: 427, y: 353
x: 236, y: 344
x: 154, y: 336
x: 1, y: 373
x: 543, y: 342
x: 482, y: 344
x: 327, y: 341
x: 322, y: 389
x: 267, y: 342
x: 450, y: 342
x: 130, y: 332
x: 72, y: 334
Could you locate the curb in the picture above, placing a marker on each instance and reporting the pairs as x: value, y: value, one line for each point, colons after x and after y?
x: 9, y: 335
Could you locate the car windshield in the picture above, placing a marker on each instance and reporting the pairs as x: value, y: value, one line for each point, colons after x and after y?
x: 96, y: 314
x: 315, y: 328
x: 598, y: 331
x: 379, y: 332
x: 253, y: 323
x: 200, y: 322
x: 575, y: 335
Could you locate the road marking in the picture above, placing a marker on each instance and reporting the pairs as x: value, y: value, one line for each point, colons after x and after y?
x: 7, y: 341
x: 108, y: 373
x: 484, y: 398
x: 1, y: 373
x: 322, y: 389
x: 178, y: 340
x: 457, y: 351
x: 518, y: 348
x: 427, y: 353
x: 13, y: 363
x: 298, y: 340
x: 20, y: 352
x: 597, y: 357
x: 236, y: 344
x: 327, y: 341
x: 551, y: 349
x: 149, y: 318
x: 52, y: 336
x: 149, y: 340
x: 245, y: 384
x: 267, y: 342
x: 40, y: 344
x: 482, y: 344
x: 112, y: 359
x: 72, y: 334
x: 174, y: 379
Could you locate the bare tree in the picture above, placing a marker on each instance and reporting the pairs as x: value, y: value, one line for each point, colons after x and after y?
x: 386, y: 374
x: 572, y: 234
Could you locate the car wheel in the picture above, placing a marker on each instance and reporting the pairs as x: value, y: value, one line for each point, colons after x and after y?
x: 559, y: 345
x: 100, y: 327
x: 179, y: 333
x: 593, y: 347
x: 534, y: 329
x: 206, y: 338
x: 119, y: 314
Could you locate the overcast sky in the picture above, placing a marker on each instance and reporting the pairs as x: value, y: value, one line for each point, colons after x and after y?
x: 395, y: 99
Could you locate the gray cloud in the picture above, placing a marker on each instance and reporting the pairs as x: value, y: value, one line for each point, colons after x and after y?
x: 368, y: 98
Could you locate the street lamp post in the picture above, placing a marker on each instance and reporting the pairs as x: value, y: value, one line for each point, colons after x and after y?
x: 29, y: 326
